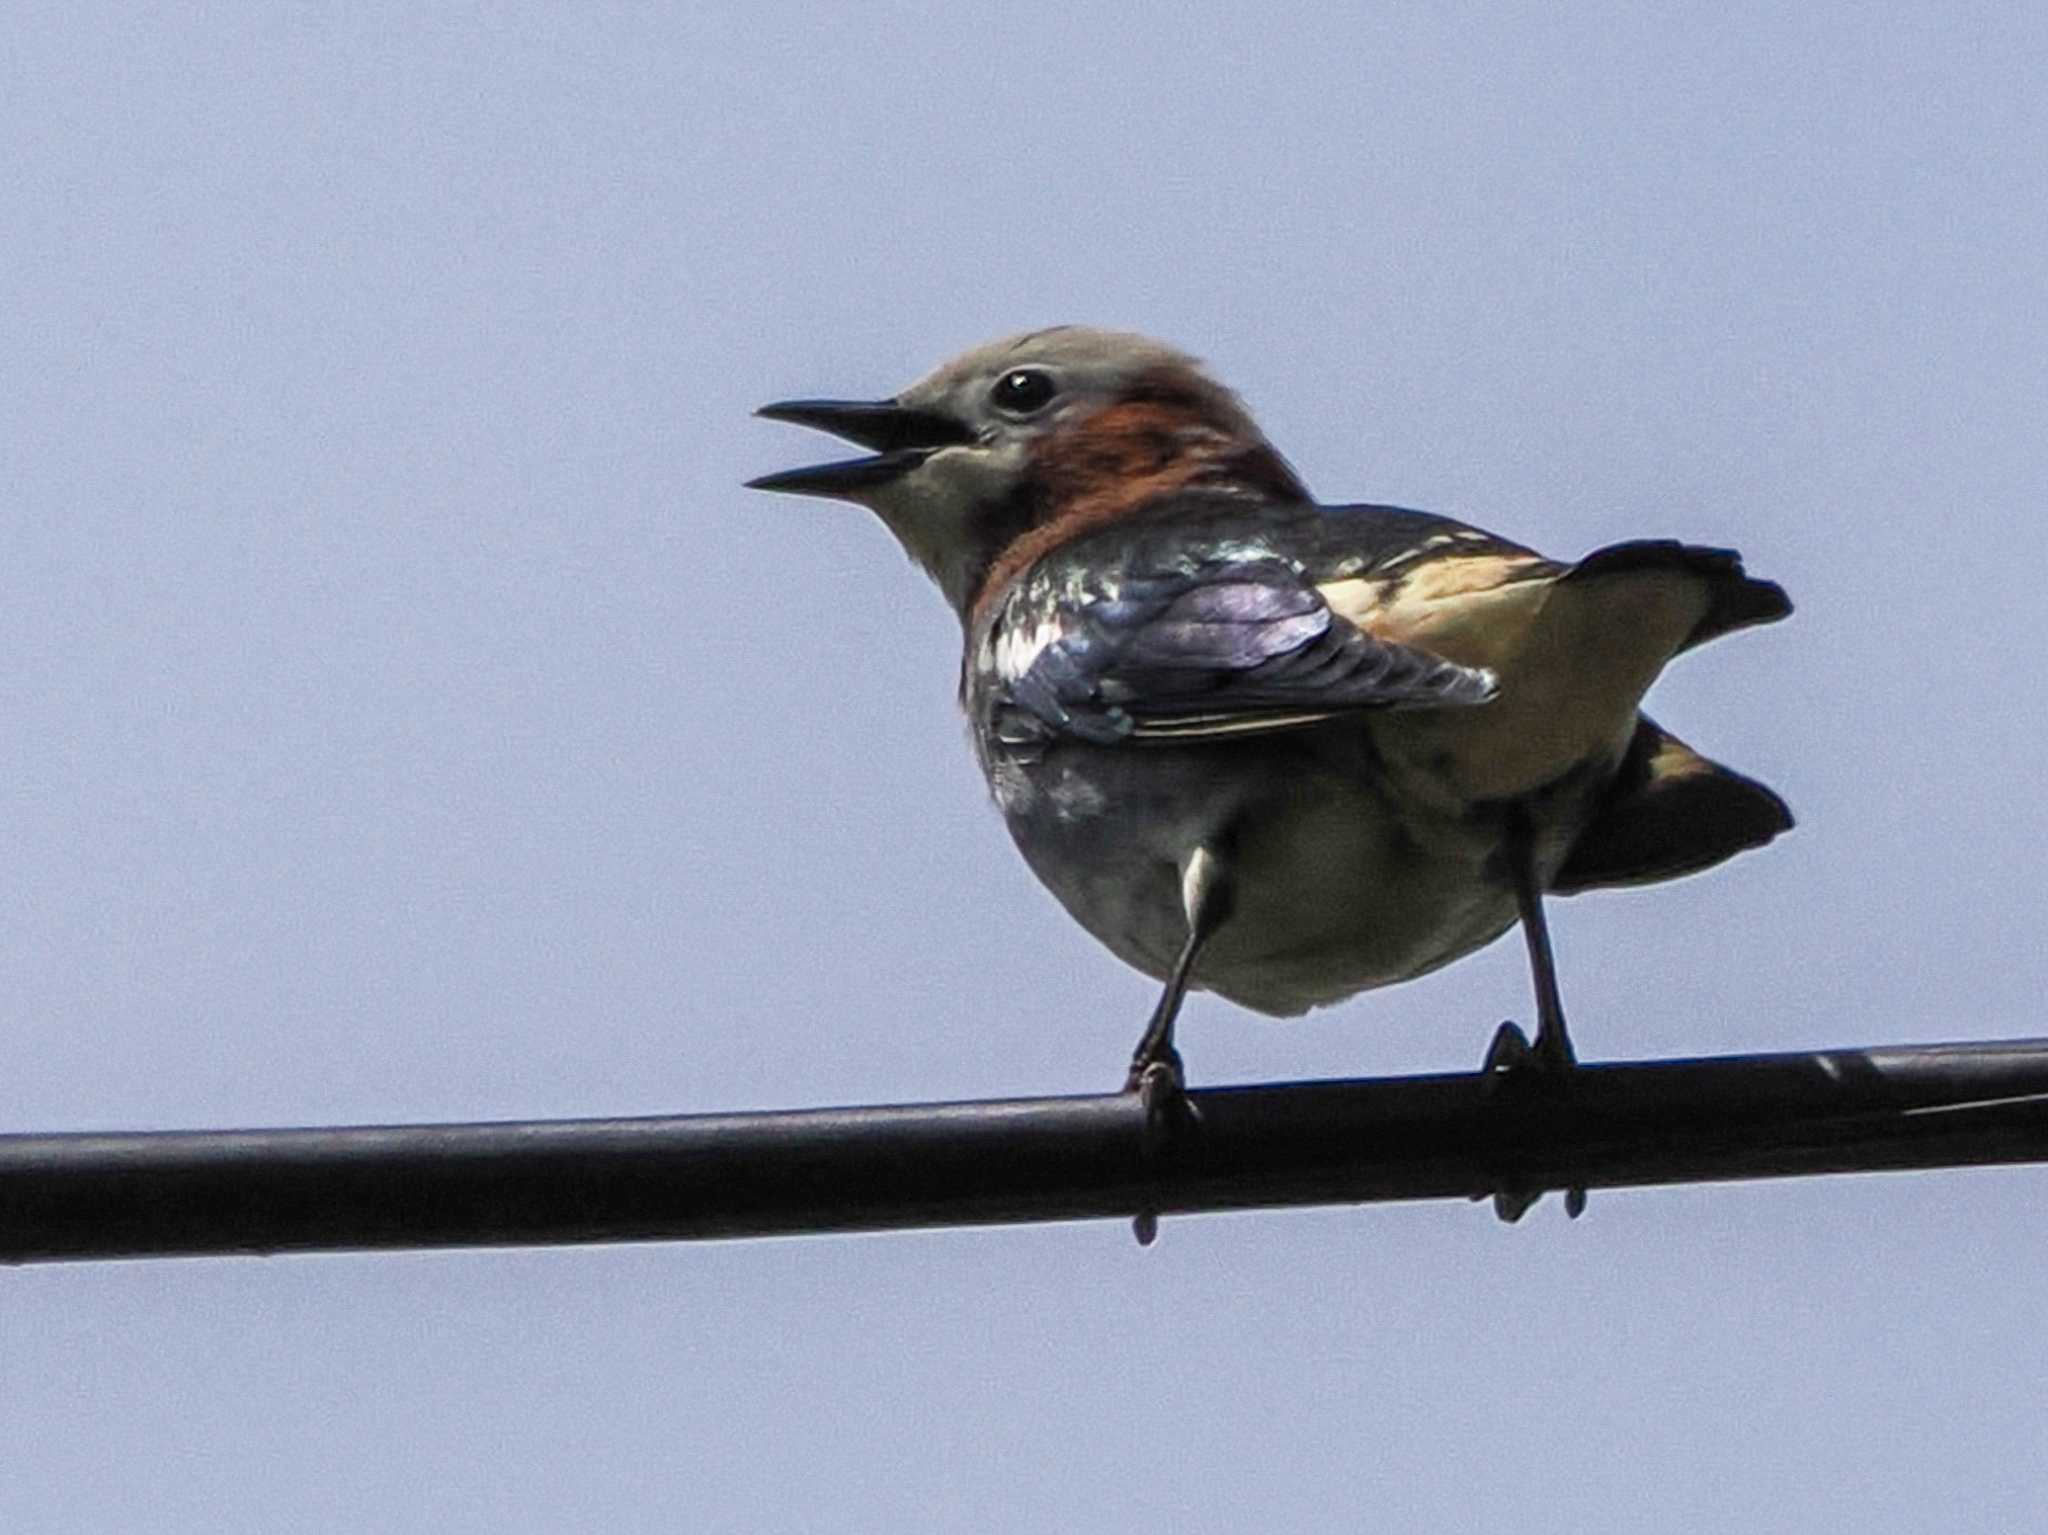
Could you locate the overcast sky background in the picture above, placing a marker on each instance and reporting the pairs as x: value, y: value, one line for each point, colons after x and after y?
x: 408, y: 716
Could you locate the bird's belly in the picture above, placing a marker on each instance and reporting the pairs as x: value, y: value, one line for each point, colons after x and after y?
x: 1337, y: 888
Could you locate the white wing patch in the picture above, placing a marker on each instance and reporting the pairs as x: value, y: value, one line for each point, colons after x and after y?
x: 1010, y: 649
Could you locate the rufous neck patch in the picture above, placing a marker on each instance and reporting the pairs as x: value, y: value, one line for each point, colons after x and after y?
x: 1122, y: 459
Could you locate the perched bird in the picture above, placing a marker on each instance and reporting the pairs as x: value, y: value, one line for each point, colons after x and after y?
x: 1282, y: 750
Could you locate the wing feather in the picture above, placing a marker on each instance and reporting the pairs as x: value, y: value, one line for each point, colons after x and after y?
x: 1234, y: 644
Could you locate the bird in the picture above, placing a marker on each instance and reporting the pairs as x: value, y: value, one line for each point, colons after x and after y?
x: 1281, y: 750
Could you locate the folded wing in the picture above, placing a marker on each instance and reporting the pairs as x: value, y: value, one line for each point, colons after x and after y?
x: 1219, y: 647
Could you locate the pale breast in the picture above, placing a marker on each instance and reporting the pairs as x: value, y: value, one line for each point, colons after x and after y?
x: 1337, y: 889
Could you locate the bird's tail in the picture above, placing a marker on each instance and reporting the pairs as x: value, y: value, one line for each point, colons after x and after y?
x: 1735, y: 599
x: 1669, y: 812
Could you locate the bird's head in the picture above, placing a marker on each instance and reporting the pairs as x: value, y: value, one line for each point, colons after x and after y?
x: 1056, y: 429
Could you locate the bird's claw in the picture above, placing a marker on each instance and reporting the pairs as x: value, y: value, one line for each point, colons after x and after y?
x: 1508, y: 1056
x: 1514, y: 1065
x: 1153, y: 1070
x: 1511, y: 1058
x: 1512, y: 1201
x: 1162, y: 1092
x: 1510, y: 1204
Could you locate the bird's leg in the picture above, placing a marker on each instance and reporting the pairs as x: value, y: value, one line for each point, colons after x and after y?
x: 1551, y: 1059
x: 1511, y: 1052
x: 1206, y: 897
x: 1553, y: 1048
x: 1155, y: 1075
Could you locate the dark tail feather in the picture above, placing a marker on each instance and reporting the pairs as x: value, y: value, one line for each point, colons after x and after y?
x: 1737, y: 599
x: 1670, y: 812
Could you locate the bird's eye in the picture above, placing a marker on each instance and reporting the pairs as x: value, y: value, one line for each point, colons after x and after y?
x: 1023, y: 390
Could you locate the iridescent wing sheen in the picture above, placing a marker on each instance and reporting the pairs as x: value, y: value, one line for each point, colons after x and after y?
x: 1207, y: 647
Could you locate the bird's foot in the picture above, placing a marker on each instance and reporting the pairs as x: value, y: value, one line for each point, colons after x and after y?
x: 1154, y: 1072
x: 1515, y: 1066
x: 1510, y: 1058
x: 1161, y: 1087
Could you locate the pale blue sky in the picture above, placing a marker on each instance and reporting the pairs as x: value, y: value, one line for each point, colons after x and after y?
x: 409, y: 717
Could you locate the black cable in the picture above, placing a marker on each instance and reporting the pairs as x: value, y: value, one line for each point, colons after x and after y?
x: 163, y: 1193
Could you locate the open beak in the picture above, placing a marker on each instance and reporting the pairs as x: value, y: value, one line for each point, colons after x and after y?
x: 902, y: 436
